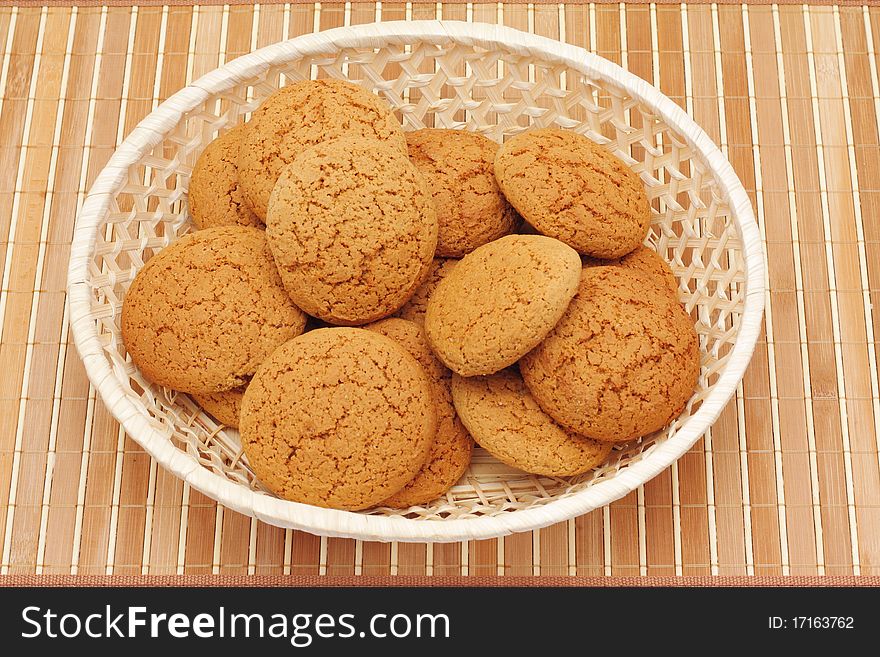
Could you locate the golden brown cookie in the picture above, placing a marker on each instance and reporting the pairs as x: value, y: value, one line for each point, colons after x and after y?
x: 452, y: 446
x: 204, y: 312
x: 504, y: 418
x: 352, y: 229
x: 571, y: 188
x: 215, y: 197
x: 339, y: 417
x: 414, y: 309
x: 458, y: 169
x: 500, y: 301
x: 304, y: 114
x: 224, y: 406
x: 622, y: 362
x: 643, y: 259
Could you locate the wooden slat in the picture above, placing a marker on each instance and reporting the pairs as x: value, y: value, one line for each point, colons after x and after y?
x: 664, y: 47
x: 24, y: 279
x: 788, y: 479
x: 20, y: 73
x: 137, y: 475
x: 870, y: 195
x: 863, y: 143
x: 58, y: 507
x: 105, y: 439
x: 692, y: 554
x: 842, y: 228
x: 204, y: 519
x: 837, y: 547
x: 663, y: 515
x: 766, y: 547
x: 165, y: 547
x: 794, y: 520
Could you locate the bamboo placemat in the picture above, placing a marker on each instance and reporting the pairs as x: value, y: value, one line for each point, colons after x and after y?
x: 786, y: 482
x: 432, y: 581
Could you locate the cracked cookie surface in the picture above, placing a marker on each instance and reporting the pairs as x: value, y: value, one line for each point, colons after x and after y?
x: 505, y: 420
x: 451, y: 448
x: 203, y: 313
x: 621, y: 363
x: 215, y: 196
x: 458, y: 168
x: 301, y: 115
x: 339, y: 417
x: 414, y: 309
x: 571, y: 188
x: 643, y: 259
x: 225, y: 407
x: 500, y: 301
x: 352, y: 229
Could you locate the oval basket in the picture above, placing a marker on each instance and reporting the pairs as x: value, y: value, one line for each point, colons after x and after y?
x: 485, y: 78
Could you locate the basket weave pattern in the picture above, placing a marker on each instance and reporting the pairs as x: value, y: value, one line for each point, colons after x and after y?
x: 139, y: 206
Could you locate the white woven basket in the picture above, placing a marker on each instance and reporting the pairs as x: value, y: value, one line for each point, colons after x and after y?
x: 486, y: 78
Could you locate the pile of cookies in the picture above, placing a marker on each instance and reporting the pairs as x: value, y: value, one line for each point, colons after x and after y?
x: 362, y: 303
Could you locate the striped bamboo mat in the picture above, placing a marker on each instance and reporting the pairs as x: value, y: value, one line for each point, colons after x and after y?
x: 788, y: 480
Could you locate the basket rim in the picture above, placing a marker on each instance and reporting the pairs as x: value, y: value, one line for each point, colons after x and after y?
x: 330, y: 522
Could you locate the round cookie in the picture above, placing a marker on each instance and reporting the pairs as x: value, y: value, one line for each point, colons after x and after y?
x: 571, y: 188
x: 504, y: 418
x: 500, y: 301
x: 414, y: 309
x: 225, y: 407
x: 215, y: 197
x: 340, y: 418
x: 451, y: 450
x: 204, y: 312
x: 352, y: 229
x: 622, y: 362
x: 458, y: 169
x: 304, y: 114
x: 643, y: 259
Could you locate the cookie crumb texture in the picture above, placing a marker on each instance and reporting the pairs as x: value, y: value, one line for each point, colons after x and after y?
x: 204, y: 312
x: 215, y: 196
x: 500, y: 301
x: 459, y: 171
x: 352, y: 229
x: 304, y: 114
x: 506, y: 420
x: 643, y: 259
x: 451, y: 449
x: 622, y: 362
x: 225, y: 407
x: 571, y: 188
x: 340, y: 418
x: 414, y: 309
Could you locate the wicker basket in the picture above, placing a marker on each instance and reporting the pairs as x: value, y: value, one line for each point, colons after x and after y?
x: 485, y: 78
